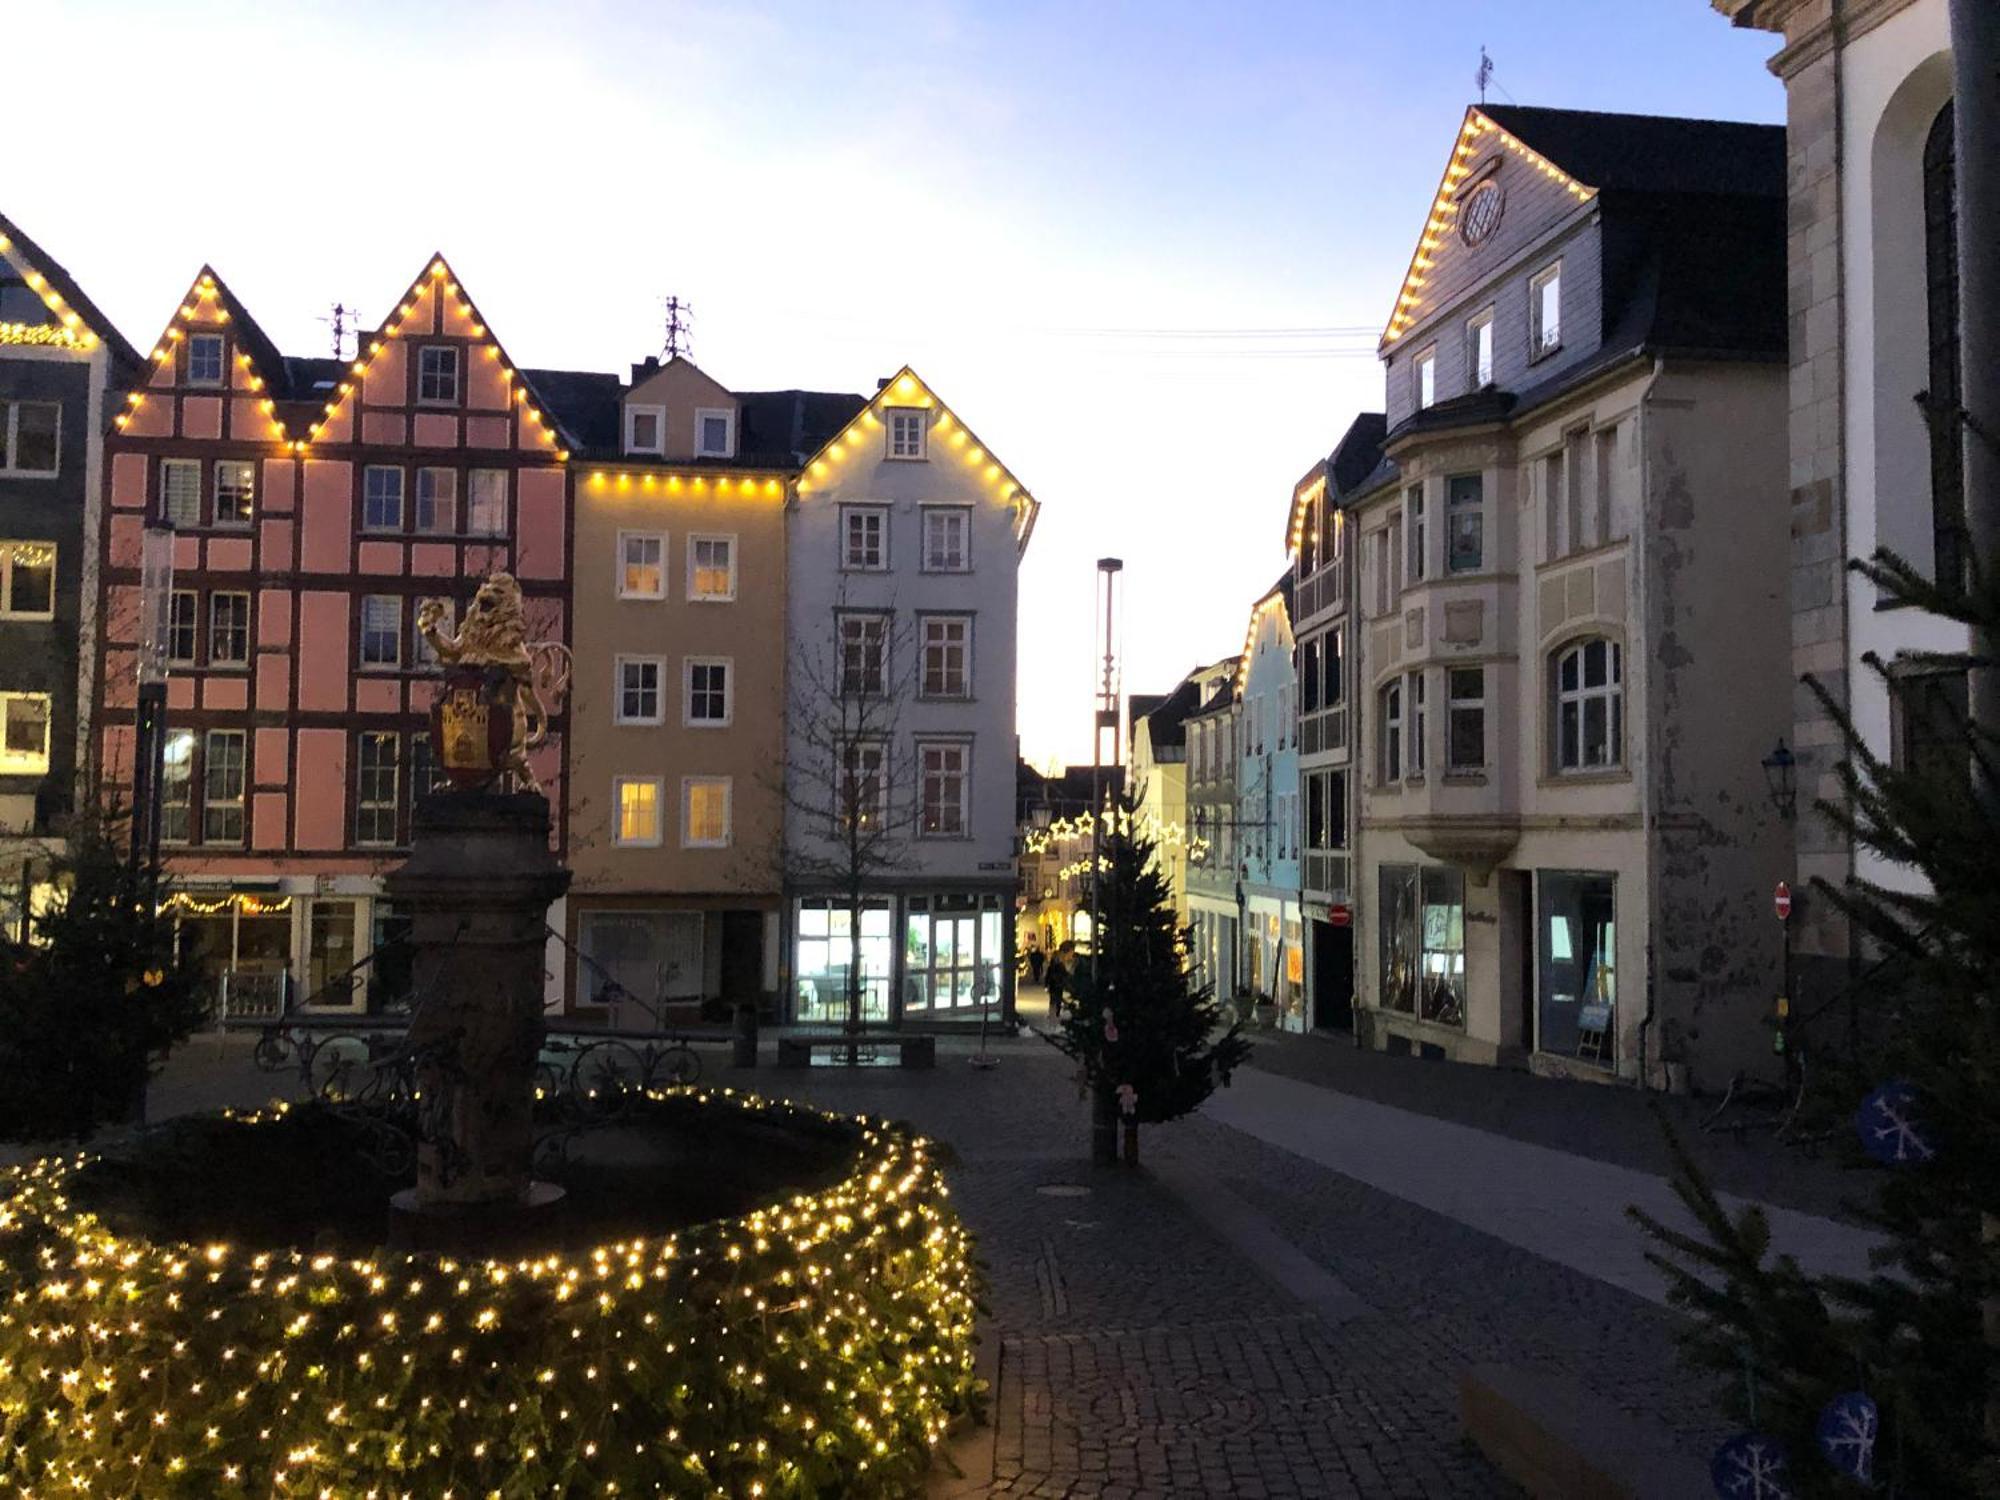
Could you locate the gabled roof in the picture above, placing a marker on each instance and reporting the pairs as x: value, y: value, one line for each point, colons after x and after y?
x: 907, y: 388
x: 1353, y: 459
x: 1277, y: 596
x: 210, y: 304
x: 1650, y: 153
x: 76, y: 312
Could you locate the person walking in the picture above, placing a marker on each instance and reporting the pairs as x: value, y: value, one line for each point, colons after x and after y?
x: 1036, y: 958
x: 1060, y: 964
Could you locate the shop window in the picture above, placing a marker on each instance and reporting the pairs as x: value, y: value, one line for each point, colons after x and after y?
x: 1397, y: 938
x: 830, y: 957
x: 1422, y: 942
x: 647, y: 957
x: 1576, y: 962
x: 951, y: 953
x: 331, y: 978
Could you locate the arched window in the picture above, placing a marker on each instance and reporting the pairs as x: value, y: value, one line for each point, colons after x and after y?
x: 1588, y: 701
x: 1391, y: 719
x: 1941, y: 299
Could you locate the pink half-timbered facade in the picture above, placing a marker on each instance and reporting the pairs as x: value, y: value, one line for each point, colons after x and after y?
x: 315, y: 504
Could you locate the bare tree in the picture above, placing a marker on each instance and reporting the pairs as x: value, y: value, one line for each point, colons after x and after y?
x: 851, y: 783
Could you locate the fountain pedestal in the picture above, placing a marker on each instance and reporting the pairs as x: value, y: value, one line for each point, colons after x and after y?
x: 478, y: 884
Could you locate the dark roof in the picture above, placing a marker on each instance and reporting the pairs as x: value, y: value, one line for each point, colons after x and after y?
x: 1360, y: 448
x: 1168, y: 722
x: 1141, y: 705
x: 1651, y: 153
x: 1282, y: 586
x: 785, y: 428
x: 583, y: 402
x: 66, y: 288
x: 1067, y: 792
x: 1221, y: 698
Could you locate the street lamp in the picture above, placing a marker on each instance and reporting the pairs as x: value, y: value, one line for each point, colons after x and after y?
x: 1781, y: 777
x: 156, y: 592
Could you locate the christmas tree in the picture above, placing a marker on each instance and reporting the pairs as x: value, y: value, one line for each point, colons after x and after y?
x: 91, y: 1003
x: 1888, y: 1380
x: 1149, y: 1037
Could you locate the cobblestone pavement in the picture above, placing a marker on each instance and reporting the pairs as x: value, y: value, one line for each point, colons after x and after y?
x: 1139, y: 1353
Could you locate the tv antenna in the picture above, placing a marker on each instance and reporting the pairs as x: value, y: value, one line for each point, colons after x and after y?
x: 680, y: 324
x: 343, y: 321
x: 1484, y: 75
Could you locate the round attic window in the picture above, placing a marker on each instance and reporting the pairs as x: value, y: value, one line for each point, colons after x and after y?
x: 1481, y: 214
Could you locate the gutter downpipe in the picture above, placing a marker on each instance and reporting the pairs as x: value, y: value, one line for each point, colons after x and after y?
x: 1651, y: 816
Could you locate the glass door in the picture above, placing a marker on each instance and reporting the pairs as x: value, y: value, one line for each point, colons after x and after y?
x: 330, y: 956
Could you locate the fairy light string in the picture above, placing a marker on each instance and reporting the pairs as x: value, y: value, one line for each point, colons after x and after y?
x: 819, y: 1345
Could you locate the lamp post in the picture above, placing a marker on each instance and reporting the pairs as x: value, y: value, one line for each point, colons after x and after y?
x: 156, y: 592
x: 1104, y: 1108
x: 1781, y: 782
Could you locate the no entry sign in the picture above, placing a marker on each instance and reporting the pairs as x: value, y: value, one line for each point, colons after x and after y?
x: 1781, y: 902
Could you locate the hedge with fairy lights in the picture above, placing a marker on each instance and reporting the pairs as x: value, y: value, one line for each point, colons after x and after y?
x: 818, y: 1346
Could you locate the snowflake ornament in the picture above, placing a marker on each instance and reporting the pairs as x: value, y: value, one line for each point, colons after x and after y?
x: 1750, y: 1467
x: 1846, y: 1433
x: 1128, y: 1099
x: 1891, y: 1126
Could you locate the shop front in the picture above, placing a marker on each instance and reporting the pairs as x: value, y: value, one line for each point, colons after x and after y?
x: 264, y: 949
x: 919, y: 958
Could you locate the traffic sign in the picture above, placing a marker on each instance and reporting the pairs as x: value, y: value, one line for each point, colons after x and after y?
x: 1781, y: 902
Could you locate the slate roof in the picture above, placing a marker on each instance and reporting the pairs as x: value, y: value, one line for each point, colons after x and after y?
x: 1223, y: 696
x: 1360, y: 448
x: 1141, y: 705
x: 65, y: 284
x: 1168, y: 722
x: 1651, y: 153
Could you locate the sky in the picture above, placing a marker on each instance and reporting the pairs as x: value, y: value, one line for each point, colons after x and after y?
x: 1145, y: 250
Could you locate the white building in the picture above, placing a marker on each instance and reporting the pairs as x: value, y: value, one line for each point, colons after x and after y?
x: 902, y: 548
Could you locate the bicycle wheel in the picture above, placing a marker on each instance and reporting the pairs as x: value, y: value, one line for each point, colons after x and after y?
x: 682, y: 1064
x: 273, y: 1052
x: 602, y: 1074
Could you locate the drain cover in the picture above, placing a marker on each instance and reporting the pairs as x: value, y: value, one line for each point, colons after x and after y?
x: 1063, y: 1190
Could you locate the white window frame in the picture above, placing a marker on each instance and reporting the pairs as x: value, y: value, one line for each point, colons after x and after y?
x: 457, y: 375
x: 1479, y: 323
x: 874, y: 808
x: 1423, y: 377
x: 862, y: 619
x: 361, y: 636
x: 393, y: 807
x: 702, y: 414
x: 471, y: 496
x: 7, y: 559
x: 962, y: 516
x: 247, y: 467
x: 215, y: 601
x: 1540, y: 342
x: 618, y: 665
x: 659, y: 416
x: 925, y: 645
x: 10, y: 417
x: 849, y: 514
x: 211, y: 805
x: 221, y: 376
x: 449, y: 503
x: 1391, y: 752
x: 964, y: 774
x: 728, y: 665
x: 19, y: 763
x: 727, y: 784
x: 168, y: 468
x: 618, y: 838
x: 1611, y: 692
x: 624, y: 539
x: 892, y: 445
x: 193, y: 598
x: 177, y: 774
x: 402, y: 497
x: 698, y: 596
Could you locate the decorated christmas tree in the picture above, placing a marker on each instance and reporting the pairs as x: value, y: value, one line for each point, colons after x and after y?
x: 1149, y: 1037
x: 1889, y: 1381
x: 91, y: 1003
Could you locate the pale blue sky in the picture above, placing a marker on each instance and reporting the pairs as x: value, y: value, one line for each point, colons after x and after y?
x: 980, y: 190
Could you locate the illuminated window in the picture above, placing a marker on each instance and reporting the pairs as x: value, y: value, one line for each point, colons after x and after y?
x: 1479, y: 349
x: 645, y: 429
x: 714, y: 434
x: 235, y: 492
x: 24, y: 735
x: 222, y: 781
x: 1545, y: 311
x: 204, y: 359
x: 375, y: 800
x: 28, y: 433
x: 1425, y: 374
x: 486, y: 503
x: 437, y: 501
x: 864, y: 655
x: 642, y: 565
x: 864, y: 538
x: 705, y: 812
x: 27, y: 580
x: 944, y: 775
x: 381, y: 631
x: 1588, y: 706
x: 637, y: 799
x: 228, y: 629
x: 180, y: 491
x: 712, y: 567
x: 947, y: 533
x: 381, y: 499
x: 639, y: 690
x: 947, y: 652
x: 708, y: 699
x: 183, y: 619
x: 177, y: 786
x: 907, y: 428
x: 437, y: 374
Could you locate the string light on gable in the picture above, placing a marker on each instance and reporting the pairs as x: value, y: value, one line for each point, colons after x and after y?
x: 68, y: 331
x: 206, y: 303
x: 1264, y: 606
x: 1472, y: 140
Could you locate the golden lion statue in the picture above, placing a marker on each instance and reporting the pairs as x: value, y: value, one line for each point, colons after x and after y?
x: 495, y: 634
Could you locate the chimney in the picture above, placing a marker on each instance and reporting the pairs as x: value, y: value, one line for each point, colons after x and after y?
x: 650, y: 365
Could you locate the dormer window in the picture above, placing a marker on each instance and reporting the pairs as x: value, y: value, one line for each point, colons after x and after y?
x: 908, y: 427
x: 1545, y: 311
x: 1426, y: 378
x: 1479, y: 349
x: 645, y: 429
x: 205, y: 359
x: 437, y: 374
x: 715, y: 434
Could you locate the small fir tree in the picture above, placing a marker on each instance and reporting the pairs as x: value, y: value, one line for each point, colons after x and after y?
x: 1149, y: 1037
x: 1918, y: 1099
x: 91, y: 1003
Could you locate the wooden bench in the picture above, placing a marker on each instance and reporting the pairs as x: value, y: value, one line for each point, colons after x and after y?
x: 910, y: 1050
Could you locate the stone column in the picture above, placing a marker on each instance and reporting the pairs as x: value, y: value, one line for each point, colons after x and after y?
x: 478, y: 883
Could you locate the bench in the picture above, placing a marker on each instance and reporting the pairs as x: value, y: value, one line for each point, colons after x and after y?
x: 873, y: 1049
